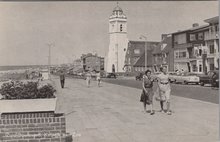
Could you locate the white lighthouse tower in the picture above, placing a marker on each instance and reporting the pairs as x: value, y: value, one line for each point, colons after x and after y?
x: 118, y: 41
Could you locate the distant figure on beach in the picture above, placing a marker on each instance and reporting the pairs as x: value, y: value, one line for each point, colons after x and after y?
x: 62, y: 79
x: 26, y: 76
x: 88, y: 79
x: 98, y: 78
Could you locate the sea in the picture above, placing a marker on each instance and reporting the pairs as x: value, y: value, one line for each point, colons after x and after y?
x: 21, y: 67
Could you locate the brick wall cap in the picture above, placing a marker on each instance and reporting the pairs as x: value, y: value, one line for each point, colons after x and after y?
x: 34, y: 105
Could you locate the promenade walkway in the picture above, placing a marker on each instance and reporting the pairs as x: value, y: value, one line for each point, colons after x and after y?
x: 113, y: 113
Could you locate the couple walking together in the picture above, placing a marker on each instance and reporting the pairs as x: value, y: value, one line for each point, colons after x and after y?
x: 164, y: 90
x: 89, y: 77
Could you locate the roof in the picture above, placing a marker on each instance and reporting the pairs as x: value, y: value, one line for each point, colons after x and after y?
x: 200, y: 29
x: 117, y: 8
x: 168, y: 41
x: 141, y: 41
x: 150, y: 44
x: 157, y: 49
x: 212, y: 20
x: 141, y: 61
x: 89, y: 55
x: 192, y: 29
x: 168, y: 44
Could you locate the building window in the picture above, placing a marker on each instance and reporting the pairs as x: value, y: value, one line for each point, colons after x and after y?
x: 200, y: 68
x: 121, y: 28
x: 194, y: 68
x: 211, y: 49
x: 217, y: 45
x: 200, y: 36
x: 216, y: 28
x: 200, y: 52
x: 196, y: 52
x: 176, y: 55
x: 182, y: 54
x: 212, y: 28
x: 192, y: 37
x: 212, y: 67
x: 129, y: 61
x: 180, y: 39
x: 136, y: 51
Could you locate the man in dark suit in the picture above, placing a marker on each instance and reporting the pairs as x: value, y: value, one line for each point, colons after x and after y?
x: 62, y: 79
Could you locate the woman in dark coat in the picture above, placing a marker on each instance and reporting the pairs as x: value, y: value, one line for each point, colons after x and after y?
x: 147, y: 93
x: 62, y: 79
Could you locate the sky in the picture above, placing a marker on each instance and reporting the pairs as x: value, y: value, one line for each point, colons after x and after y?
x: 73, y: 28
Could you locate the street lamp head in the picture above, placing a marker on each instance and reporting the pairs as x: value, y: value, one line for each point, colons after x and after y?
x: 142, y: 36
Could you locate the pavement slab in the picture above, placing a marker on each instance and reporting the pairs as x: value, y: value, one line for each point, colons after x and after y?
x: 113, y: 113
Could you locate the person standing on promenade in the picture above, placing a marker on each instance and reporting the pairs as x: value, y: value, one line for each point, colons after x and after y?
x: 98, y: 78
x: 88, y: 79
x: 62, y: 79
x: 164, y: 89
x: 147, y: 93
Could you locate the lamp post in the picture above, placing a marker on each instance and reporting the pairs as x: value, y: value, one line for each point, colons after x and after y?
x: 117, y: 55
x: 145, y: 48
x: 49, y: 57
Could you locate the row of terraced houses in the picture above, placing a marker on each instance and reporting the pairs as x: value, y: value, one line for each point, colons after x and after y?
x: 191, y: 50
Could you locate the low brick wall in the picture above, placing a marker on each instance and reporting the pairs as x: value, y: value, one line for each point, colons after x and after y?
x: 33, y: 127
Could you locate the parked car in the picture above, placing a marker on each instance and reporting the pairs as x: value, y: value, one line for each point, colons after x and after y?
x: 111, y: 75
x: 212, y: 77
x: 172, y: 76
x: 186, y: 78
x: 139, y: 76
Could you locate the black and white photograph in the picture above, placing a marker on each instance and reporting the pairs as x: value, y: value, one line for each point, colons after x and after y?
x: 109, y: 71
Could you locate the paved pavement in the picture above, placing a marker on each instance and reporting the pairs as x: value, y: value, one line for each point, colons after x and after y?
x: 113, y: 113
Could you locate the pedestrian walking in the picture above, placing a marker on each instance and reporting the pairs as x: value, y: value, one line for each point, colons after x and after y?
x: 98, y: 78
x: 164, y: 90
x: 62, y: 79
x: 147, y: 92
x: 214, y: 77
x: 88, y: 79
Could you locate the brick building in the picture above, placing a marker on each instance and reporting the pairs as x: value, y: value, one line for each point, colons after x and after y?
x: 139, y: 66
x: 92, y: 62
x: 196, y: 49
x: 134, y: 53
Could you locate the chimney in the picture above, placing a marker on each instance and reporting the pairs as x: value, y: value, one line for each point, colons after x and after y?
x: 195, y: 25
x: 163, y: 36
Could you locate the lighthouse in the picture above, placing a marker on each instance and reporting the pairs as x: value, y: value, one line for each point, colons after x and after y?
x: 118, y: 41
